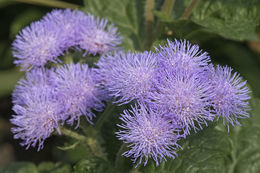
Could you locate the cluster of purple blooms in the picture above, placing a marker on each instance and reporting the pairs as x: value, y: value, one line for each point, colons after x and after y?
x: 49, y: 97
x: 173, y: 91
x: 57, y: 32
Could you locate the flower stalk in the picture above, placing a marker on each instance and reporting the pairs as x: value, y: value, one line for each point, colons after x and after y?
x: 149, y: 23
x: 188, y: 11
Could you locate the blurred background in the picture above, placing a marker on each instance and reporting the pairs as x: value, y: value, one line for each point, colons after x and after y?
x: 241, y: 53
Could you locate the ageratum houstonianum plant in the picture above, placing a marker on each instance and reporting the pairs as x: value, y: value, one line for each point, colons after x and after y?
x: 173, y: 92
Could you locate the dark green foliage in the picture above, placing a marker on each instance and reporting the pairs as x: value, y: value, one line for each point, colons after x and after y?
x: 20, y: 167
x: 49, y: 167
x: 232, y: 19
x: 93, y: 165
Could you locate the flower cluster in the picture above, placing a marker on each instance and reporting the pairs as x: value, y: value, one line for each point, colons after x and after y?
x: 45, y: 40
x: 175, y: 90
x: 49, y: 97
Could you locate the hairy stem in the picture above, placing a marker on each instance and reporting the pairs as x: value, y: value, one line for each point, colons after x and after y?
x: 96, y: 148
x: 167, y: 9
x: 187, y: 12
x: 91, y: 141
x: 72, y: 134
x: 149, y: 19
x: 168, y: 6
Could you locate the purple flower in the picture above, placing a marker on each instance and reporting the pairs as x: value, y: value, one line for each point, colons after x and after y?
x: 127, y: 76
x: 38, y: 44
x: 181, y: 55
x: 75, y: 85
x: 97, y: 37
x: 231, y: 95
x: 185, y: 98
x: 37, y: 111
x: 148, y: 135
x: 38, y: 77
x: 69, y: 21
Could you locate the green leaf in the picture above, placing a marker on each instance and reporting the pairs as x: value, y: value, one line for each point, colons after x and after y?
x: 49, y: 167
x: 188, y: 30
x: 232, y: 19
x: 127, y: 15
x: 110, y: 142
x: 93, y: 165
x: 245, y: 140
x: 202, y: 153
x: 19, y: 167
x: 215, y: 150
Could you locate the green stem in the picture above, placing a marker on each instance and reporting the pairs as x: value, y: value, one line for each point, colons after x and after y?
x: 95, y: 147
x: 167, y: 9
x: 234, y: 150
x: 110, y: 107
x: 234, y: 161
x: 52, y: 3
x: 168, y: 6
x: 187, y: 12
x: 72, y: 134
x: 91, y: 141
x: 149, y: 19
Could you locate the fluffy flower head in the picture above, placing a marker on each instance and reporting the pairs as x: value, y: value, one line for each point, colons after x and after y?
x: 231, y: 95
x: 70, y: 21
x: 127, y: 76
x: 36, y: 78
x: 75, y: 85
x: 181, y: 55
x: 97, y: 37
x: 37, y: 112
x: 185, y: 98
x: 148, y: 135
x: 37, y: 44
